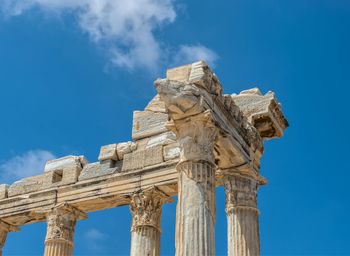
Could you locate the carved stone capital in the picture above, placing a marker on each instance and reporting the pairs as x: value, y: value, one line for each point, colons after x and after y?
x: 241, y: 193
x: 61, y: 222
x: 146, y: 208
x: 196, y: 136
x: 5, y: 228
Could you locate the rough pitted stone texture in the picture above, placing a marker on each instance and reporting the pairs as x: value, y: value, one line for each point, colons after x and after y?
x: 63, y: 171
x: 162, y: 139
x: 263, y: 111
x: 143, y: 158
x: 125, y: 148
x: 108, y: 152
x: 95, y: 170
x: 3, y: 191
x: 156, y: 105
x: 26, y: 185
x: 148, y: 123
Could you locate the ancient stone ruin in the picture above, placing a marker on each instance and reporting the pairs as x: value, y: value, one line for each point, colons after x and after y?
x: 189, y: 139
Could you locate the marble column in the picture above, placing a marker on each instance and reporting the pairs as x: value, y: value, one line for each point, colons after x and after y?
x: 5, y: 228
x: 60, y: 230
x: 242, y: 216
x: 195, y: 213
x: 146, y: 210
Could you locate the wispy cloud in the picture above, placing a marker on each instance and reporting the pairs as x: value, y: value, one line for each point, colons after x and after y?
x: 125, y: 28
x: 191, y: 53
x: 94, y: 238
x: 27, y: 164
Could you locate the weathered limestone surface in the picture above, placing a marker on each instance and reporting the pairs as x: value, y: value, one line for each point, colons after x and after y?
x: 146, y: 209
x: 5, y: 228
x: 189, y: 139
x: 263, y: 111
x: 242, y: 216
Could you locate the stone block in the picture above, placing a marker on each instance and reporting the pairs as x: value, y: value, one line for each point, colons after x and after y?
x: 95, y: 170
x: 63, y: 171
x: 26, y: 185
x: 142, y: 158
x: 148, y: 123
x: 3, y: 191
x: 171, y: 151
x: 125, y: 148
x: 108, y: 152
x: 161, y: 139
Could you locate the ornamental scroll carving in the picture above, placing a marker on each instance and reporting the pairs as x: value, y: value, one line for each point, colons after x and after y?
x: 241, y: 193
x: 61, y: 222
x: 146, y: 208
x: 196, y: 136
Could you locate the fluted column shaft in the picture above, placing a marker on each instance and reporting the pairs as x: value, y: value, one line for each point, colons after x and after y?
x: 5, y: 228
x: 195, y: 212
x: 60, y: 230
x: 196, y: 209
x: 242, y: 216
x: 146, y: 209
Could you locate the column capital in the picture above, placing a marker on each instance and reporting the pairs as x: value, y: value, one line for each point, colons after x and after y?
x: 196, y: 135
x: 4, y: 226
x: 61, y: 222
x: 241, y: 193
x: 146, y: 208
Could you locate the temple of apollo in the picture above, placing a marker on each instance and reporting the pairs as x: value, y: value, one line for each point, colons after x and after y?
x: 190, y: 139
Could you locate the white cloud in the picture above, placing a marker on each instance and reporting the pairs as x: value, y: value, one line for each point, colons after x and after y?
x: 191, y: 53
x: 94, y: 234
x: 27, y: 164
x: 125, y: 28
x: 95, y: 238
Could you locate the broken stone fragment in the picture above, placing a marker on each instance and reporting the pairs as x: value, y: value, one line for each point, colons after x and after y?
x: 63, y: 171
x: 171, y: 151
x: 156, y: 105
x: 65, y: 162
x: 3, y: 191
x: 198, y: 73
x: 262, y: 111
x: 162, y: 139
x: 108, y: 152
x: 125, y: 148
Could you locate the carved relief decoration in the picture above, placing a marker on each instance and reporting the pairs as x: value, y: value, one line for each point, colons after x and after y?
x: 196, y: 136
x: 241, y: 193
x: 146, y: 208
x: 61, y: 222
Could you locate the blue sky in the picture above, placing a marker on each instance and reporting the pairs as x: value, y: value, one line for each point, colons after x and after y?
x: 71, y: 75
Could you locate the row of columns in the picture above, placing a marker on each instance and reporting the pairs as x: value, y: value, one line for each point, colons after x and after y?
x: 196, y: 207
x: 195, y: 217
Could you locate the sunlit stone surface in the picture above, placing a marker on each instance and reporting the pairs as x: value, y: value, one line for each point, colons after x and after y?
x: 189, y: 139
